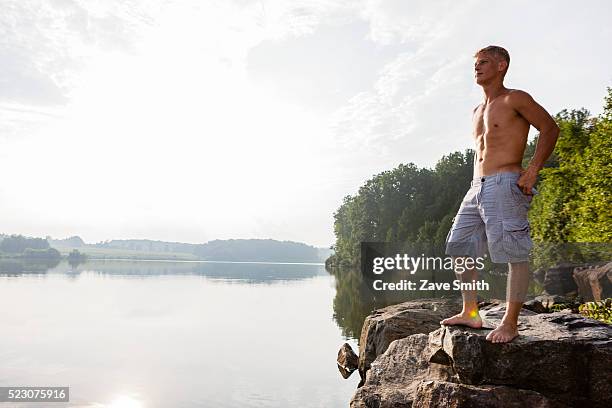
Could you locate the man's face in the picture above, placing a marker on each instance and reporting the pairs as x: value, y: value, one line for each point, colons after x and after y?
x: 486, y: 67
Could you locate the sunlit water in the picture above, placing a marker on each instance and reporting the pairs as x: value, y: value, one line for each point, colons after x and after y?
x: 160, y: 334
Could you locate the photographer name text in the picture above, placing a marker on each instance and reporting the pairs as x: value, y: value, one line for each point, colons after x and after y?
x: 425, y: 284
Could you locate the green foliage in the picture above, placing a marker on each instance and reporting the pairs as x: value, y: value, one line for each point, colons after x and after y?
x: 404, y: 204
x: 593, y: 221
x: 599, y: 310
x: 574, y: 201
x: 558, y: 307
x: 573, y: 305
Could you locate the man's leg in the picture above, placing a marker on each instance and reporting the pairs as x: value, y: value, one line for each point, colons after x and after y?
x: 516, y: 292
x: 509, y: 240
x: 466, y: 237
x: 469, y: 314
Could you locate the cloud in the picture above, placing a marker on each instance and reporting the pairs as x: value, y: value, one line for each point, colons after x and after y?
x: 43, y: 44
x: 323, y: 70
x: 254, y: 118
x: 419, y: 106
x: 409, y: 22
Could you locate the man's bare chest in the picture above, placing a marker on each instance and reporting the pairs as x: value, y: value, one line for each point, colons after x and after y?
x: 494, y: 118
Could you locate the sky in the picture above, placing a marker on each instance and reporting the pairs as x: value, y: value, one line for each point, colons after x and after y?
x: 198, y: 120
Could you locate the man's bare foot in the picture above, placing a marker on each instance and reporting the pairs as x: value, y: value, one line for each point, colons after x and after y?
x: 470, y: 319
x: 504, y: 333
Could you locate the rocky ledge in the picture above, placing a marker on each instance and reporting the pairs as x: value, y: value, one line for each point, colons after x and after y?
x: 395, y: 322
x: 559, y: 360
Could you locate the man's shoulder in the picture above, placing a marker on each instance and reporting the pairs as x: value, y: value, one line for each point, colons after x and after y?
x: 518, y: 97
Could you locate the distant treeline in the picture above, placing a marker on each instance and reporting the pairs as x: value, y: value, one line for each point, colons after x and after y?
x: 29, y: 248
x: 262, y: 250
x: 417, y: 205
x: 246, y: 250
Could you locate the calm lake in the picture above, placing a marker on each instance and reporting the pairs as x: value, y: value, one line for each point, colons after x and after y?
x: 140, y: 334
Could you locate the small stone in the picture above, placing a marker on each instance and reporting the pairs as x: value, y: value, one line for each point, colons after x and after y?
x: 347, y: 360
x: 535, y: 306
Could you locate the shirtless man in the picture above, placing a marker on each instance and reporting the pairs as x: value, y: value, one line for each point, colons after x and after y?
x: 494, y: 211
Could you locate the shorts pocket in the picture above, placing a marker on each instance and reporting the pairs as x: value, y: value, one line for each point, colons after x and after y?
x: 520, y: 197
x: 516, y: 227
x: 516, y: 239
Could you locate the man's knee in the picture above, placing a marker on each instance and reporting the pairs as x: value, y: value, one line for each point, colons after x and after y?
x: 518, y: 267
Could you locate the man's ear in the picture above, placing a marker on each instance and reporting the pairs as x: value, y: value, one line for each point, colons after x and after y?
x: 502, y: 65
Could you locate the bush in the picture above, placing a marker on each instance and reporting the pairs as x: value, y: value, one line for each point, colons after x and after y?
x: 598, y: 310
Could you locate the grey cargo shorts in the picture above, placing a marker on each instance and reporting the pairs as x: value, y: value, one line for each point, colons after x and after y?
x: 492, y: 214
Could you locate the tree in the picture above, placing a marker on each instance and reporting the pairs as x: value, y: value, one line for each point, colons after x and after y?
x: 406, y: 204
x: 574, y: 204
x: 594, y: 207
x: 17, y: 244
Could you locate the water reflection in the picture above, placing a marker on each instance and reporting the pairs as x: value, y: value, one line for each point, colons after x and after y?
x: 125, y: 401
x: 14, y: 267
x: 180, y: 335
x: 244, y: 271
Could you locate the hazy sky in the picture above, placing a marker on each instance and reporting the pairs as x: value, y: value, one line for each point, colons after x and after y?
x: 195, y: 120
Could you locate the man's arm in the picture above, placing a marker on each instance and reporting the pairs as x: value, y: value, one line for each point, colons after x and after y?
x: 537, y: 116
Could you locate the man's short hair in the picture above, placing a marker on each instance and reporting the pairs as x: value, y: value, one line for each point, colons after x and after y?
x: 497, y: 52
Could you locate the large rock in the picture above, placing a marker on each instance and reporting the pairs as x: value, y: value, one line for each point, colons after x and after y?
x: 559, y: 280
x: 398, y: 321
x: 436, y: 394
x: 558, y: 359
x: 572, y: 347
x: 394, y: 376
x: 594, y: 283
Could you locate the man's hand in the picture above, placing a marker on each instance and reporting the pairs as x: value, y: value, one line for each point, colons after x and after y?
x: 527, y: 180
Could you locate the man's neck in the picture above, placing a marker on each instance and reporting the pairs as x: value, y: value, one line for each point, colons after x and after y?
x: 492, y: 91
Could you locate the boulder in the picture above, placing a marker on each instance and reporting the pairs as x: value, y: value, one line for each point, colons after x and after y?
x: 398, y: 321
x: 539, y: 275
x: 559, y: 281
x: 347, y: 360
x: 393, y: 376
x: 435, y: 394
x: 572, y: 347
x: 559, y: 359
x: 594, y: 283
